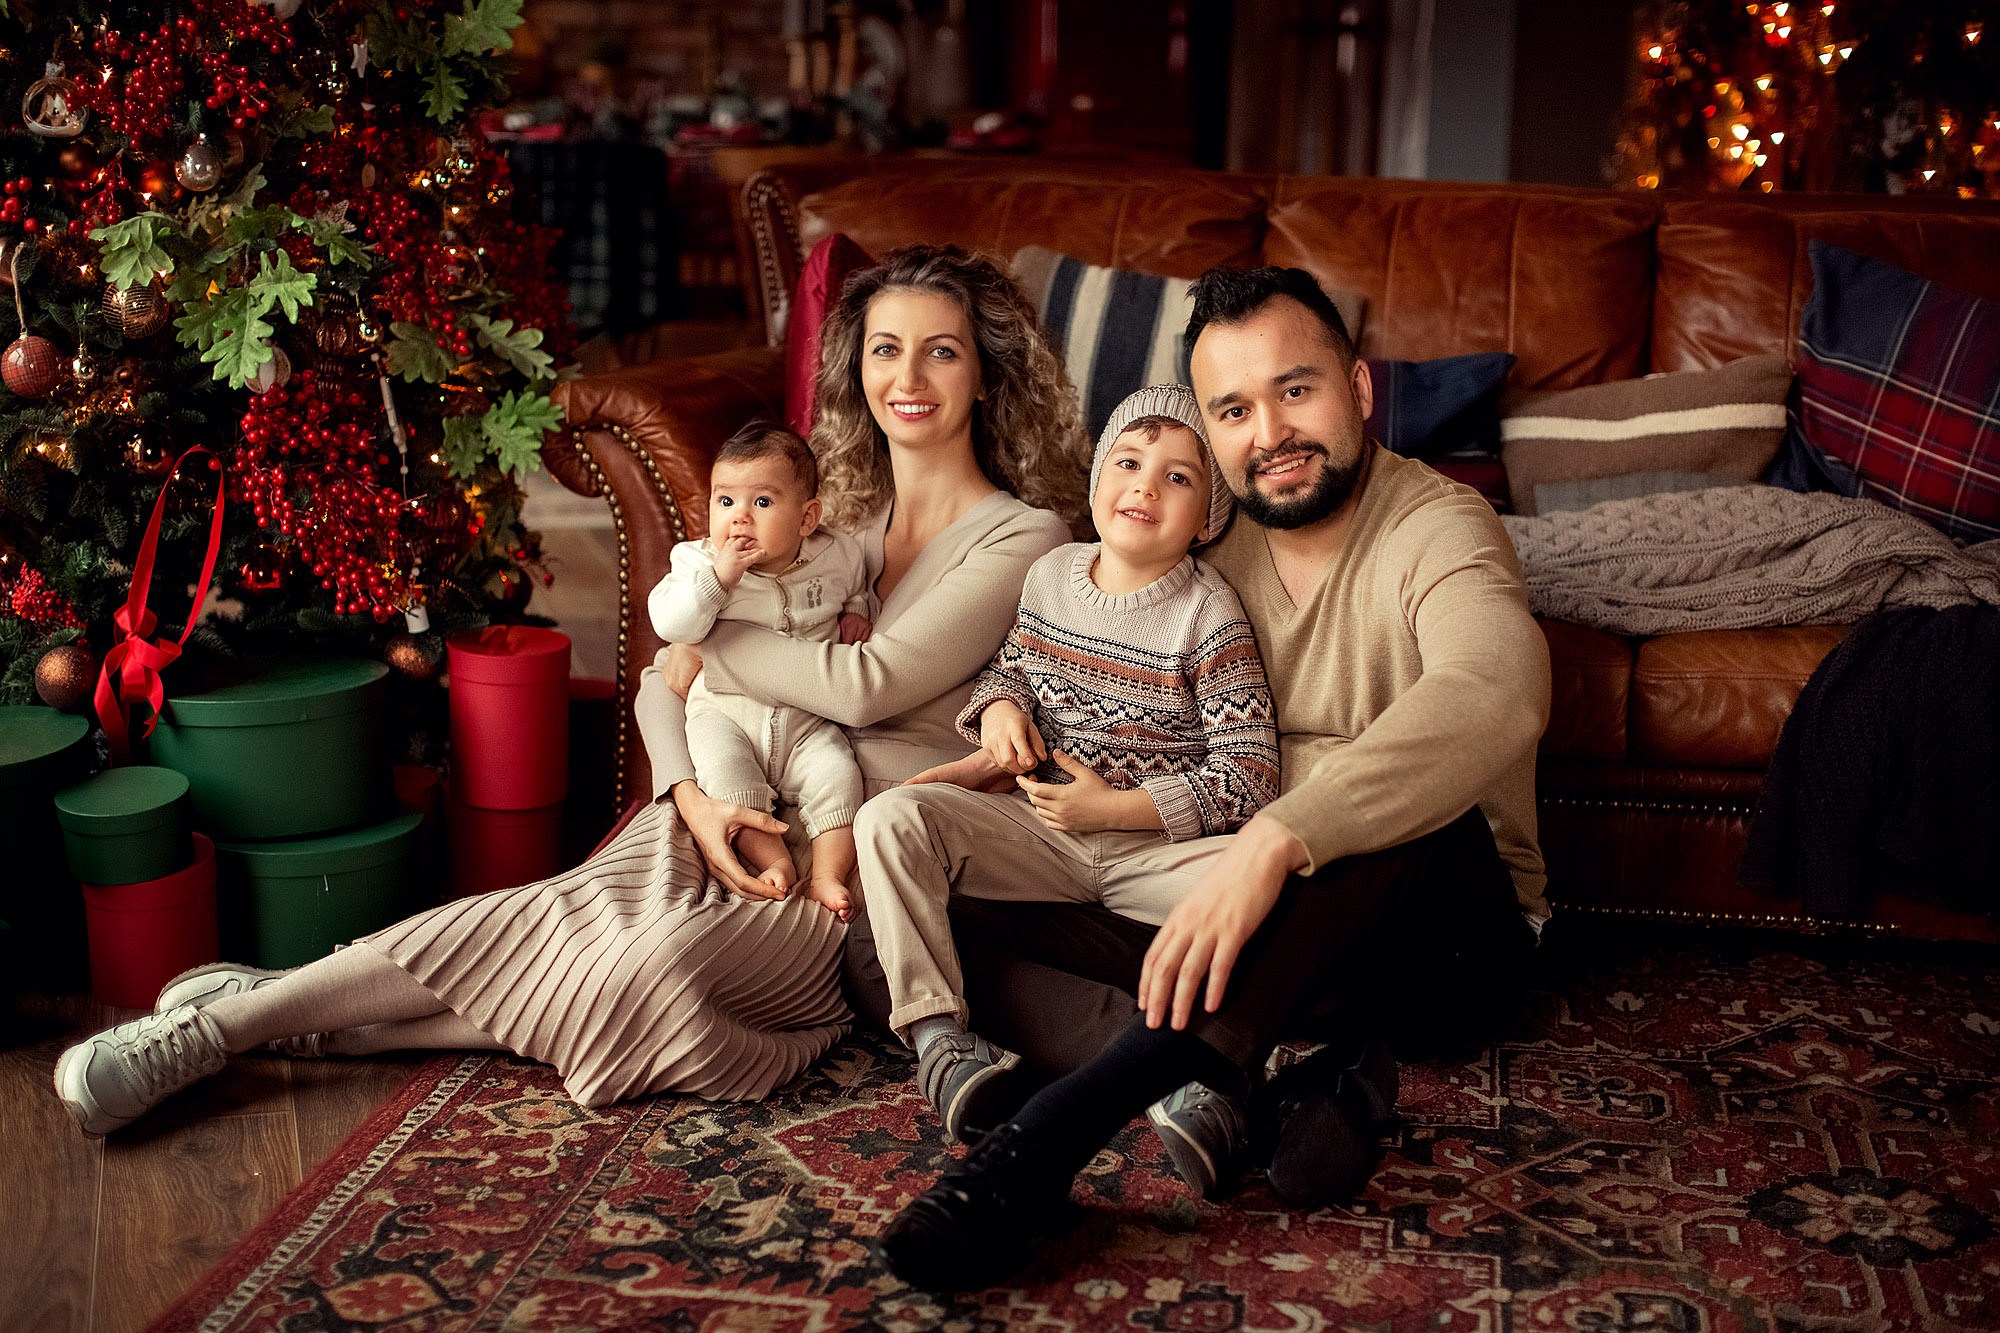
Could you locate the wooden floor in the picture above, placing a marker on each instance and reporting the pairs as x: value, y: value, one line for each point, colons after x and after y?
x: 100, y: 1236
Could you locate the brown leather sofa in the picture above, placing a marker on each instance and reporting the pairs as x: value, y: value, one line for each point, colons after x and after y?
x: 1653, y: 757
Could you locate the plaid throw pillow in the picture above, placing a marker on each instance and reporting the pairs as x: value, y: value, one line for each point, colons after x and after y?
x: 1899, y: 394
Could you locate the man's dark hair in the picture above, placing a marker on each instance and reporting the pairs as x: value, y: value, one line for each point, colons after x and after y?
x: 767, y: 439
x: 1232, y: 295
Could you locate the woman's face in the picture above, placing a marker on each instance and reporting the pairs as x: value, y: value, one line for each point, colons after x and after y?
x: 920, y: 369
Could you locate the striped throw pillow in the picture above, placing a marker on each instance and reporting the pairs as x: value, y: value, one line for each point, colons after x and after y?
x: 1118, y: 330
x: 1723, y: 424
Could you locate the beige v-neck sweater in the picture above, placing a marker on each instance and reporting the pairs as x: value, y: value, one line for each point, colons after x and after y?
x: 1411, y: 683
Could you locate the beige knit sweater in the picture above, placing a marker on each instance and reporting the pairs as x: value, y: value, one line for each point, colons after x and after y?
x: 1412, y: 683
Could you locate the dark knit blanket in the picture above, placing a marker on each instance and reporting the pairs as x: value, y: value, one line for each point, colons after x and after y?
x: 1887, y: 773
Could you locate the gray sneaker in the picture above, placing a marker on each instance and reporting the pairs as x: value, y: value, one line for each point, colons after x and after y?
x: 1206, y: 1135
x: 204, y: 985
x: 955, y: 1073
x: 123, y: 1072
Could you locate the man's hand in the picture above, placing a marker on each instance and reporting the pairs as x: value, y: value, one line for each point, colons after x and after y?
x: 1009, y: 738
x: 1202, y: 937
x: 854, y: 627
x: 679, y: 664
x: 1088, y: 804
x: 733, y: 555
x: 975, y: 772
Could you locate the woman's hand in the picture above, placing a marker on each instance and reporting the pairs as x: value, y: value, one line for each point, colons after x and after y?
x: 715, y: 825
x: 975, y: 772
x: 1009, y: 738
x: 1088, y: 804
x: 679, y: 664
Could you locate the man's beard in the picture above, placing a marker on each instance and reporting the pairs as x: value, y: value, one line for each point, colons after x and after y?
x: 1322, y: 500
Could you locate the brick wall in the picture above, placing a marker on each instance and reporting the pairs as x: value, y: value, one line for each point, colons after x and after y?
x: 686, y: 44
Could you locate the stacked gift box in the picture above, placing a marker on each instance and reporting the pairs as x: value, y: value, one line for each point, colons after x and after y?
x: 510, y: 700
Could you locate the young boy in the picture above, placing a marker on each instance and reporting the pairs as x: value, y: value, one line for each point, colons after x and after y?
x: 1126, y: 717
x: 765, y: 561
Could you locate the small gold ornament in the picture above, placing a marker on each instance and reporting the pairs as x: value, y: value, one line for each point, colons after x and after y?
x: 146, y: 456
x: 49, y: 107
x: 136, y: 312
x: 83, y: 368
x: 66, y: 675
x: 418, y: 656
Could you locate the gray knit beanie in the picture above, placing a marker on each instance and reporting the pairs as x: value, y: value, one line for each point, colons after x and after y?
x: 1176, y: 402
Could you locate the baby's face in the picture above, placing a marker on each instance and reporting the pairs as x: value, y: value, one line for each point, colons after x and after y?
x: 761, y: 498
x: 1152, y: 495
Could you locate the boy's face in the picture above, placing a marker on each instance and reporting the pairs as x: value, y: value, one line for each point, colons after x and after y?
x: 1152, y: 495
x: 761, y: 499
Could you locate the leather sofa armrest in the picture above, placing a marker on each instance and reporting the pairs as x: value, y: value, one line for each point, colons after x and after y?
x: 643, y: 438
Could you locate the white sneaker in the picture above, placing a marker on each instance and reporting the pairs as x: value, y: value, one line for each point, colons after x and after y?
x: 123, y: 1072
x: 204, y: 985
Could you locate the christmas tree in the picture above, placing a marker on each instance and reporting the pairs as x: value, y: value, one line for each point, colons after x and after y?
x: 1880, y: 96
x: 273, y: 231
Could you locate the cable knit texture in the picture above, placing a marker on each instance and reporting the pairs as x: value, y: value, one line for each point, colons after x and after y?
x: 1160, y: 689
x: 1742, y: 557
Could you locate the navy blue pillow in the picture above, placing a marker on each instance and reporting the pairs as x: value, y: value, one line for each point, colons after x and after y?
x: 1428, y: 409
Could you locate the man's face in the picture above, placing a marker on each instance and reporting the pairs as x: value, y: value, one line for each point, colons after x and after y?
x: 1285, y: 418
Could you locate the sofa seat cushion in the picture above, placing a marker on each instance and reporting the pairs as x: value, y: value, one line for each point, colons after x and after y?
x: 1720, y: 697
x: 1590, y: 694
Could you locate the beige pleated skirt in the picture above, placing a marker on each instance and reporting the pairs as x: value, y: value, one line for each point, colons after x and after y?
x: 634, y: 973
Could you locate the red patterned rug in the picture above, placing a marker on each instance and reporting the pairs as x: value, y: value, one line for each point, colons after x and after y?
x: 1713, y: 1137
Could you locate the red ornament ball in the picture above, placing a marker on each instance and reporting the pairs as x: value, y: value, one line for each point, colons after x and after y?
x: 264, y: 571
x: 31, y: 367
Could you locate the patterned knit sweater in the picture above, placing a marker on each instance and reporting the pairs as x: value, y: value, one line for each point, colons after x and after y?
x: 1160, y: 689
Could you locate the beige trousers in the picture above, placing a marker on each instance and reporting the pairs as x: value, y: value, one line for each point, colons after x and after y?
x: 919, y: 845
x: 756, y: 754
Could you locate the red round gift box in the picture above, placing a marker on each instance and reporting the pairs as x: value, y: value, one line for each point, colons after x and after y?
x: 499, y: 849
x: 143, y: 935
x: 509, y: 717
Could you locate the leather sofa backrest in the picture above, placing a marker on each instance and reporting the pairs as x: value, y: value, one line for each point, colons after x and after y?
x: 1583, y: 286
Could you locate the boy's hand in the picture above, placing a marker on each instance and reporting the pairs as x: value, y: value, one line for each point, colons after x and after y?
x: 854, y: 627
x: 975, y: 772
x: 1009, y: 738
x: 1089, y: 804
x: 733, y: 555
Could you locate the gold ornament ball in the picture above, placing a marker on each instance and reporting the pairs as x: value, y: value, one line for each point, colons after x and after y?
x: 136, y: 312
x: 66, y: 676
x: 418, y: 656
x: 200, y: 167
x: 147, y: 456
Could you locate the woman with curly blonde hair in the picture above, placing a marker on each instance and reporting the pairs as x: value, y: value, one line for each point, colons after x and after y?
x: 955, y: 458
x: 1027, y: 436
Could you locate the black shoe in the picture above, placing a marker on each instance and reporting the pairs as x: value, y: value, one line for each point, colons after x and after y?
x: 1207, y: 1137
x: 1323, y: 1117
x: 978, y: 1223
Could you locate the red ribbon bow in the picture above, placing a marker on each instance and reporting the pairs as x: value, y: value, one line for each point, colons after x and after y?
x: 132, y: 668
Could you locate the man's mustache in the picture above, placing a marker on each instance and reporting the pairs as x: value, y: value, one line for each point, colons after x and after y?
x: 1297, y: 449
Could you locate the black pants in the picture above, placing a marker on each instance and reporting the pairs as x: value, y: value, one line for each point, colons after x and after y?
x: 1423, y: 941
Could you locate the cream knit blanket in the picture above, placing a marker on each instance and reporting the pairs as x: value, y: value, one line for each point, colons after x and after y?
x: 1742, y: 557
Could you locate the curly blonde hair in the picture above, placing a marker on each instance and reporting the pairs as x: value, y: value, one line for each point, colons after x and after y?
x: 1027, y: 433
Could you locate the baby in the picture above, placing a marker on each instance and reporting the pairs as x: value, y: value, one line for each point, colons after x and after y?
x: 767, y: 562
x: 1125, y: 718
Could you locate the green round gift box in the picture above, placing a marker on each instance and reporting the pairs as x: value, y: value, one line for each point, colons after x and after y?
x: 290, y: 902
x: 126, y: 826
x: 295, y: 750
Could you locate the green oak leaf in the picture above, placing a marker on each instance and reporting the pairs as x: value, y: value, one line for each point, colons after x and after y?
x: 212, y: 213
x: 464, y: 445
x: 312, y: 120
x: 339, y: 246
x: 519, y: 348
x: 514, y: 427
x: 483, y: 25
x: 131, y: 254
x: 277, y: 282
x: 414, y: 354
x: 241, y: 352
x: 444, y: 94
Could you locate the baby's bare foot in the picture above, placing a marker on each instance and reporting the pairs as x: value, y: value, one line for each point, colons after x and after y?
x: 832, y: 895
x: 768, y: 859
